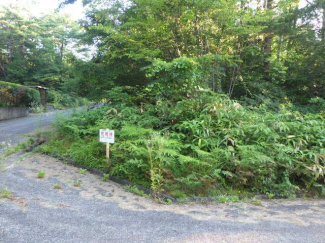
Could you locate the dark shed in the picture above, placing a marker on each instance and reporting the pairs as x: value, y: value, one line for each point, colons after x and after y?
x: 42, y: 91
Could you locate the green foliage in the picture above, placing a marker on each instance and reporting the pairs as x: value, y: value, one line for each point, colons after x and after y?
x: 36, y: 50
x: 82, y: 171
x: 105, y: 177
x: 251, y: 51
x: 164, y: 68
x: 41, y: 174
x: 136, y: 191
x: 77, y: 183
x: 256, y: 202
x: 61, y: 100
x: 57, y: 186
x: 18, y: 95
x: 19, y: 146
x: 5, y: 194
x: 197, y: 146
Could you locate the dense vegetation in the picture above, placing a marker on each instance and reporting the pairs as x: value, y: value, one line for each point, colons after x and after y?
x: 256, y: 51
x: 205, y: 96
x: 201, y: 146
x: 18, y: 95
x: 37, y: 50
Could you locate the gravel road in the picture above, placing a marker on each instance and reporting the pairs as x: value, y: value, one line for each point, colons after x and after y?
x: 100, y: 212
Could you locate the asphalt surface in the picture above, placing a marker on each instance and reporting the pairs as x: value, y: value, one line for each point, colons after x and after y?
x: 100, y: 212
x: 12, y: 130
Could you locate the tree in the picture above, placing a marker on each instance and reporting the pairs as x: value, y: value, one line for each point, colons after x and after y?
x: 32, y: 50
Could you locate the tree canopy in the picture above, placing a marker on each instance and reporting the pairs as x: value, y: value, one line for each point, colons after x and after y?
x: 252, y: 50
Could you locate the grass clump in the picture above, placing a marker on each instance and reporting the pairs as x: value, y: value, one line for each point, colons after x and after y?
x: 136, y: 191
x: 105, y: 177
x: 41, y: 174
x: 6, y: 194
x: 82, y: 171
x: 256, y: 201
x: 19, y: 146
x: 57, y: 186
x: 77, y: 183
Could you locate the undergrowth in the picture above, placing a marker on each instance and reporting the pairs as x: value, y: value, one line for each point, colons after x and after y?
x: 199, y: 146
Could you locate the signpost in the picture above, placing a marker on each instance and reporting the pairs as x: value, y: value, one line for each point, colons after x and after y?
x: 107, y: 136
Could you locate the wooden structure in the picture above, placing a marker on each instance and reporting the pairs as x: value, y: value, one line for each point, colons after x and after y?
x: 42, y: 90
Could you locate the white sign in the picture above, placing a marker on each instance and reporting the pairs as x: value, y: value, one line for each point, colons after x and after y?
x: 106, y: 136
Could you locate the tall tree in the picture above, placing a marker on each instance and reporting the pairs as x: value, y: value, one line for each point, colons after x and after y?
x: 32, y: 50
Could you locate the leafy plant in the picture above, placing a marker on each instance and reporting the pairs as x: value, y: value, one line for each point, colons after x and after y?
x: 256, y: 202
x: 57, y: 186
x: 5, y: 194
x: 200, y: 146
x: 77, y: 183
x: 105, y: 177
x: 12, y: 94
x: 222, y: 199
x: 82, y: 171
x: 41, y: 174
x: 135, y: 190
x: 169, y: 201
x: 270, y: 195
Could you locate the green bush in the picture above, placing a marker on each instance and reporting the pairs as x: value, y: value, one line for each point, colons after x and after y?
x: 202, y: 145
x: 62, y: 100
x: 18, y: 95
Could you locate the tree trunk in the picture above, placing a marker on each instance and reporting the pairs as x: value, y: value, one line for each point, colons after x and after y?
x: 279, y: 48
x: 11, y: 48
x: 61, y: 50
x: 3, y: 70
x: 268, y: 41
x: 323, y: 26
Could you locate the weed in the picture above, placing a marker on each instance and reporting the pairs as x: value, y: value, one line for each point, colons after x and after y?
x: 57, y: 186
x: 293, y: 196
x: 105, y: 177
x: 6, y: 194
x: 77, y: 183
x: 226, y: 199
x: 19, y: 146
x: 270, y: 195
x: 41, y: 174
x: 178, y: 194
x: 256, y: 202
x: 204, y: 148
x: 183, y: 200
x: 136, y: 190
x: 233, y: 199
x: 82, y: 171
x: 222, y: 199
x: 169, y: 201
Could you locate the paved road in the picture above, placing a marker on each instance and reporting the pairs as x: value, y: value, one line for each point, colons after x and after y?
x: 100, y: 212
x: 12, y: 130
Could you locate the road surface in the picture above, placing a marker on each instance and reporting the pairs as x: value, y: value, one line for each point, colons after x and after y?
x: 12, y: 130
x: 100, y: 212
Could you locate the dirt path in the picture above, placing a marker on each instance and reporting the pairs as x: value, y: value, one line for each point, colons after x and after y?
x: 99, y: 211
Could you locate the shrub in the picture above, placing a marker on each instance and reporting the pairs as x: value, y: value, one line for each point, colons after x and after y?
x: 61, y: 100
x: 17, y: 95
x: 200, y: 145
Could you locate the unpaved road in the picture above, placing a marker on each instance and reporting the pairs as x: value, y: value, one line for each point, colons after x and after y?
x: 99, y: 212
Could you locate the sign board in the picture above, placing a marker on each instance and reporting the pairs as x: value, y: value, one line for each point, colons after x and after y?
x: 106, y: 136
